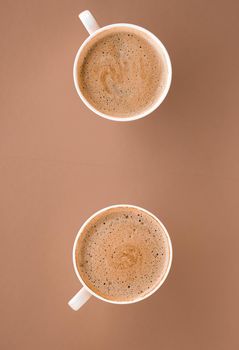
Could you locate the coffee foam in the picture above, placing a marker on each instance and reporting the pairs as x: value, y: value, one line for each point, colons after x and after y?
x: 123, y: 254
x: 122, y: 74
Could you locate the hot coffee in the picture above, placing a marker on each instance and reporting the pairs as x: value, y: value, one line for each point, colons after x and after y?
x: 122, y: 74
x: 122, y: 254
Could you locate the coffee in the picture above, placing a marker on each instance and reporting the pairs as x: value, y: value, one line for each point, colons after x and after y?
x: 122, y: 74
x: 122, y: 254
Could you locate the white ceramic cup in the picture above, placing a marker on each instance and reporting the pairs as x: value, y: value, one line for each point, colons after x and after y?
x: 85, y: 293
x: 97, y: 33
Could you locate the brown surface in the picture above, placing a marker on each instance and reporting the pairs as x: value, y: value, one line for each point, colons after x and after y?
x: 59, y: 163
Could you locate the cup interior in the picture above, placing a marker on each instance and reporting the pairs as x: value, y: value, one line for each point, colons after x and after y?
x: 143, y: 33
x: 94, y: 218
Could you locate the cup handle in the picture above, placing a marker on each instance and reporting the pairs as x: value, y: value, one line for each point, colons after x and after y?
x: 79, y: 299
x: 88, y: 21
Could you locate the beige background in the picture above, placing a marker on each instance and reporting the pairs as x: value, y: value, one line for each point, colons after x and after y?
x: 59, y: 163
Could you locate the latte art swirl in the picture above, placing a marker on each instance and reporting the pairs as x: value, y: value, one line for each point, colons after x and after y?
x: 125, y: 256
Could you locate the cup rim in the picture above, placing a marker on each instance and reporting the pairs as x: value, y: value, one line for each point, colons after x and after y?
x: 87, y: 222
x: 161, y: 97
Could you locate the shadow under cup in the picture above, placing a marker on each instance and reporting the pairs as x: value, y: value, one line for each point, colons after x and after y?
x: 102, y: 67
x: 114, y: 247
